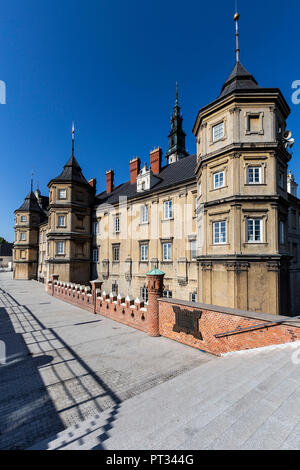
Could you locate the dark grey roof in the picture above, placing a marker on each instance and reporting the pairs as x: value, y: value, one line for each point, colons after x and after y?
x: 30, y: 203
x: 71, y: 172
x: 239, y: 79
x: 175, y: 173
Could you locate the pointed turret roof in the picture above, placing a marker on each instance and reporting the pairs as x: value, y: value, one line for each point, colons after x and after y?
x: 239, y: 79
x: 71, y: 172
x: 30, y: 204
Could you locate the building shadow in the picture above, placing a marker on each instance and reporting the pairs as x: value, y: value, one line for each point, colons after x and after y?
x: 45, y: 386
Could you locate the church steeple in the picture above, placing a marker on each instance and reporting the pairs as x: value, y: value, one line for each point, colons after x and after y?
x: 177, y: 135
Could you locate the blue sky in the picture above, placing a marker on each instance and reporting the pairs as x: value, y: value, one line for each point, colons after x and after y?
x: 112, y: 66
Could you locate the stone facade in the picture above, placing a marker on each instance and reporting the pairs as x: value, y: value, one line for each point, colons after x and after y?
x: 223, y: 225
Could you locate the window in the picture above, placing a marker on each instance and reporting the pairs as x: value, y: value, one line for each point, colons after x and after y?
x: 95, y: 228
x: 114, y: 288
x: 295, y: 253
x: 254, y: 124
x: 168, y: 210
x: 281, y: 182
x: 218, y: 131
x: 144, y: 214
x: 117, y: 224
x: 254, y: 175
x: 219, y: 180
x: 22, y: 236
x: 282, y: 232
x: 254, y: 230
x: 219, y: 232
x: 193, y: 297
x: 61, y: 221
x: 193, y: 248
x: 144, y: 252
x: 167, y: 251
x: 144, y: 294
x: 23, y: 218
x: 167, y: 294
x: 95, y: 255
x: 60, y: 248
x: 62, y: 194
x: 116, y: 253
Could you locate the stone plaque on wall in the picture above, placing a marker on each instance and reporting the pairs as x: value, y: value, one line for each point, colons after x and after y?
x: 187, y: 321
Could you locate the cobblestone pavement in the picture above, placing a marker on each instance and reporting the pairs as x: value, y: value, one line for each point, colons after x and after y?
x: 65, y: 365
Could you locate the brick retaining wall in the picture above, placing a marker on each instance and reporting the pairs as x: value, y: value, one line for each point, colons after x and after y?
x: 216, y: 320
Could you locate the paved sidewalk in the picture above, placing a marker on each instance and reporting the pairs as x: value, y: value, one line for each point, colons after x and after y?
x: 66, y: 365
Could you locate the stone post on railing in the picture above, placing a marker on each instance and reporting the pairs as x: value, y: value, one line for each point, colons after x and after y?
x: 54, y: 278
x: 155, y: 280
x: 95, y: 285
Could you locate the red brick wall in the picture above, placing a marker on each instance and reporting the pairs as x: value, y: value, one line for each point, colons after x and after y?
x: 213, y: 322
x: 129, y: 314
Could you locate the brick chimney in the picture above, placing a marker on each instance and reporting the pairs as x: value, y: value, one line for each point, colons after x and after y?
x: 109, y: 181
x: 155, y: 160
x: 134, y: 165
x: 93, y: 182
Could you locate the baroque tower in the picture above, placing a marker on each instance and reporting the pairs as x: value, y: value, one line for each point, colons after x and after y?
x: 242, y: 212
x: 177, y: 135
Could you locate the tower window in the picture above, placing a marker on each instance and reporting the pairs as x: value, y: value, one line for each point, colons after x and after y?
x: 218, y: 131
x: 23, y: 218
x: 95, y: 228
x: 282, y: 232
x: 22, y: 236
x: 219, y: 180
x: 60, y: 248
x: 254, y: 175
x: 219, y: 232
x: 61, y: 221
x: 254, y: 230
x: 62, y: 194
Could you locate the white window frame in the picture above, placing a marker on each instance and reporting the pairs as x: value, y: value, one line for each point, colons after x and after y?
x: 168, y: 210
x: 144, y: 214
x: 60, y: 192
x: 95, y: 228
x: 144, y: 252
x: 144, y: 294
x: 22, y: 236
x: 218, y: 239
x: 167, y: 251
x: 218, y: 181
x: 60, y: 248
x: 95, y: 255
x: 59, y: 221
x: 116, y: 249
x: 193, y: 249
x: 253, y: 170
x: 117, y: 224
x: 23, y: 218
x: 253, y: 222
x: 218, y: 131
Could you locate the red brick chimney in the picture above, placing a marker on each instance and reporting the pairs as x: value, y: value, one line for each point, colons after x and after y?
x: 155, y: 160
x: 134, y: 165
x: 93, y: 183
x: 109, y: 181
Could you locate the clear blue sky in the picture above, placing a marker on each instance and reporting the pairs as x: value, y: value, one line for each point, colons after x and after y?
x: 112, y: 67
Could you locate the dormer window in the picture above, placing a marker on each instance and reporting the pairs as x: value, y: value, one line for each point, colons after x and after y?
x: 218, y: 131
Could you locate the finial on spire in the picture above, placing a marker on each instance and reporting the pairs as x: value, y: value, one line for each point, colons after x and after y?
x: 237, y: 50
x: 73, y: 138
x: 31, y: 181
